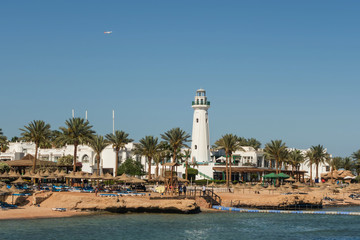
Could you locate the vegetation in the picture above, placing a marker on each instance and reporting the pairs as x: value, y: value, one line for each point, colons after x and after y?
x: 229, y: 143
x: 250, y: 142
x: 77, y: 131
x: 65, y: 160
x: 131, y: 167
x: 319, y: 156
x: 98, y: 144
x: 4, y: 167
x: 177, y: 139
x: 118, y: 141
x: 38, y: 132
x: 276, y: 150
x: 295, y: 159
x: 148, y: 147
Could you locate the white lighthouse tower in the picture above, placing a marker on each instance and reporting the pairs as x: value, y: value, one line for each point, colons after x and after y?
x: 200, y: 145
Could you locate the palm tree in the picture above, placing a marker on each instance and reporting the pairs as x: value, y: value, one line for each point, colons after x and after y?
x: 347, y: 163
x: 356, y: 157
x: 160, y: 156
x: 276, y: 150
x: 310, y: 160
x: 77, y: 131
x: 334, y: 164
x: 4, y: 143
x: 319, y: 156
x: 98, y: 144
x: 295, y: 158
x: 38, y: 132
x: 187, y: 155
x: 118, y: 141
x: 148, y: 147
x: 177, y: 139
x: 229, y: 143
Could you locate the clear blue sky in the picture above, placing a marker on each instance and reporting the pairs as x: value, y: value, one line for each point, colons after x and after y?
x: 272, y: 69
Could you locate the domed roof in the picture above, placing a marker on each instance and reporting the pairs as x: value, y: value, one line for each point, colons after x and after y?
x: 200, y: 90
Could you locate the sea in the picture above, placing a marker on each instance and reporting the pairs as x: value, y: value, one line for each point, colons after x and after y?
x: 209, y: 225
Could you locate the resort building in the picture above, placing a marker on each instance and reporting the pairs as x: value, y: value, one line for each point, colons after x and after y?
x: 248, y: 164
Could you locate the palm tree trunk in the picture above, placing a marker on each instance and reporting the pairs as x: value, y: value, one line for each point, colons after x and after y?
x: 310, y: 173
x: 230, y: 162
x: 317, y: 172
x: 75, y: 151
x: 332, y: 170
x: 116, y: 162
x: 157, y: 170
x: 98, y: 163
x: 149, y: 171
x: 35, y: 157
x: 174, y: 156
x: 227, y: 172
x: 186, y: 169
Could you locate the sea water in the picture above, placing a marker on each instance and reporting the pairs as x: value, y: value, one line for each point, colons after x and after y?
x: 215, y: 225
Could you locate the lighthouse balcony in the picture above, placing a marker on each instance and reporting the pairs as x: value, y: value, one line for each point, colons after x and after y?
x: 200, y: 103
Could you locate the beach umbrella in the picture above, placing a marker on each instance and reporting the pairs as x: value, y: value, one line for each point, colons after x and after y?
x: 290, y: 179
x: 108, y: 176
x: 4, y: 175
x: 46, y: 173
x: 123, y: 178
x: 157, y: 179
x: 13, y: 174
x: 271, y: 188
x: 38, y: 175
x: 19, y: 181
x: 27, y: 174
x: 136, y: 180
x: 60, y: 174
x: 5, y: 189
x: 95, y: 176
x: 270, y: 175
x: 182, y: 180
x: 51, y: 176
x: 282, y: 175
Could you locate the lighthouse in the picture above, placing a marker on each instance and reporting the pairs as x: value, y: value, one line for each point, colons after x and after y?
x: 200, y: 145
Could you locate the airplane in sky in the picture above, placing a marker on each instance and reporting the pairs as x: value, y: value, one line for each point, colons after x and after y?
x: 108, y: 32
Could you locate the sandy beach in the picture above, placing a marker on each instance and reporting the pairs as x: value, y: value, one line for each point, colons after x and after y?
x: 87, y: 203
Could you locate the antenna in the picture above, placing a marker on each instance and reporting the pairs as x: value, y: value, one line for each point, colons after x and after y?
x: 113, y: 122
x: 73, y: 113
x: 86, y: 115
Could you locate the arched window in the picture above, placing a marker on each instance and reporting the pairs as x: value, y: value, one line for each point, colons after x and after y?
x: 197, y: 120
x: 85, y: 159
x: 195, y: 146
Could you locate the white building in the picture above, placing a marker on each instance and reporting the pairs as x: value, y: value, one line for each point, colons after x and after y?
x: 200, y: 145
x: 247, y: 164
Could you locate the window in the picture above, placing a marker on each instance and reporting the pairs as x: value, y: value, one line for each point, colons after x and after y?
x: 197, y: 120
x: 195, y: 147
x: 85, y: 159
x: 328, y: 168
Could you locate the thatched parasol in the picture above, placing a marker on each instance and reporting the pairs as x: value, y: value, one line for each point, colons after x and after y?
x: 19, y: 181
x: 157, y: 179
x: 51, y: 176
x: 95, y: 176
x: 123, y: 178
x: 13, y: 174
x: 137, y: 180
x: 182, y: 180
x: 4, y: 175
x: 38, y: 175
x: 290, y: 179
x: 5, y: 189
x: 27, y: 174
x: 60, y: 174
x: 46, y: 173
x: 108, y: 176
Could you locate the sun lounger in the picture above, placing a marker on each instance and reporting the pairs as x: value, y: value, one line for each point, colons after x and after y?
x: 59, y: 209
x: 107, y: 195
